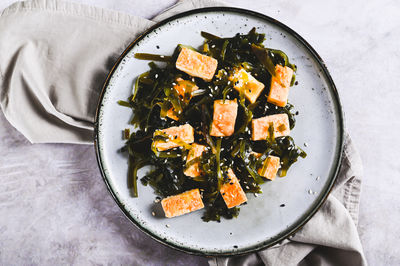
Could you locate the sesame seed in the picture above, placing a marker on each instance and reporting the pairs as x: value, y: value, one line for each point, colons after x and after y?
x: 156, y: 200
x: 156, y: 75
x: 318, y: 177
x: 153, y: 213
x: 161, y: 56
x: 305, y: 144
x: 310, y: 191
x: 255, y: 195
x: 167, y: 225
x: 213, y: 46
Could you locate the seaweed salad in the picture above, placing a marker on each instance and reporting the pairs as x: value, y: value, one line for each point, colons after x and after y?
x: 213, y: 123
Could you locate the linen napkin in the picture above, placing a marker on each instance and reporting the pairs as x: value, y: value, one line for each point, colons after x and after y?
x: 54, y: 57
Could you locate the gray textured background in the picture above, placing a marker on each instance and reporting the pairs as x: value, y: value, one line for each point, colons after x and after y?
x: 55, y: 209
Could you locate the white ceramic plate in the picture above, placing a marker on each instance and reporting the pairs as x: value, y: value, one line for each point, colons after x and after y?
x: 262, y: 222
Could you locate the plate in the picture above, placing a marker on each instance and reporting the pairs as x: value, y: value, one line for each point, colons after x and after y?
x: 263, y: 222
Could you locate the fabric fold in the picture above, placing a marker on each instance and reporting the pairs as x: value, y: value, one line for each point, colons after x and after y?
x: 330, y: 237
x: 55, y: 56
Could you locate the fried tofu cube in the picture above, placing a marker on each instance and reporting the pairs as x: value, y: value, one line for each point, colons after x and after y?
x: 260, y: 126
x: 232, y: 192
x: 196, y: 64
x: 256, y: 154
x: 182, y: 86
x: 171, y: 114
x: 244, y: 80
x: 185, y: 133
x: 195, y: 151
x: 224, y: 118
x: 182, y: 203
x: 270, y: 167
x: 284, y: 74
x: 279, y: 91
x: 278, y: 95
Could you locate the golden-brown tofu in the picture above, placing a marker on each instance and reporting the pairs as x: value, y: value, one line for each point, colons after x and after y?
x: 261, y: 125
x: 256, y: 154
x: 185, y: 133
x: 285, y: 75
x: 224, y: 118
x: 244, y: 80
x: 270, y: 167
x: 171, y: 114
x: 182, y: 86
x: 182, y: 203
x: 279, y: 91
x: 195, y: 151
x: 196, y: 64
x: 232, y: 192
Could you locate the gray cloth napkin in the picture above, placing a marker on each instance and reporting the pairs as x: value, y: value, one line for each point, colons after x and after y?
x: 54, y: 57
x: 330, y: 237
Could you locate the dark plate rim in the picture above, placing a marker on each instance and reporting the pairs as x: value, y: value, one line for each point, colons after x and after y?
x: 289, y: 231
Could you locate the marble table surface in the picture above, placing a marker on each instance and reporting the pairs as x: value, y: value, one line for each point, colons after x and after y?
x: 55, y: 209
